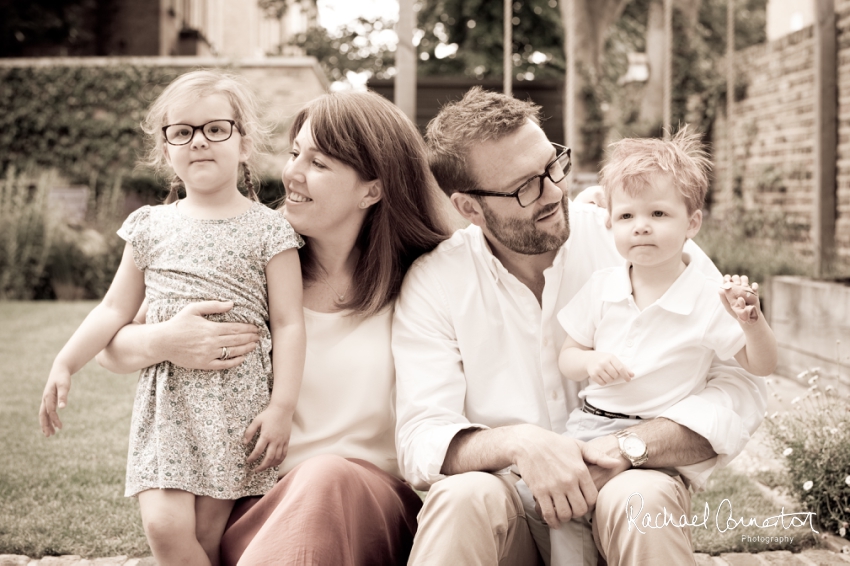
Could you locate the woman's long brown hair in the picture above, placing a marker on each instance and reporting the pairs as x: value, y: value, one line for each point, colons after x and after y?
x: 371, y: 135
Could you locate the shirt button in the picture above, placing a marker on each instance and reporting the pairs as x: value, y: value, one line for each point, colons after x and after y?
x: 628, y: 343
x: 554, y: 395
x: 546, y: 342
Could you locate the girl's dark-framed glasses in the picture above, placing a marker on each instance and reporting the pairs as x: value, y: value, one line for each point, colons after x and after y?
x: 215, y: 131
x: 530, y: 191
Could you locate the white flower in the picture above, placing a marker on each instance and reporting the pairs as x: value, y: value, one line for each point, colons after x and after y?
x: 842, y: 531
x: 813, y: 379
x: 788, y: 451
x: 829, y: 388
x: 795, y: 400
x: 774, y: 415
x: 847, y: 480
x: 803, y: 374
x: 808, y: 485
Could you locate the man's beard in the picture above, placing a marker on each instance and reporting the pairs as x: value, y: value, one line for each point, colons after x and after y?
x: 522, y: 235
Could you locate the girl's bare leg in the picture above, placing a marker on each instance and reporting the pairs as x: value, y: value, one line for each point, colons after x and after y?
x: 168, y: 516
x: 211, y: 518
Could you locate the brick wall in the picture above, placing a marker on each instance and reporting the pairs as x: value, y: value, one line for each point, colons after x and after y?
x: 842, y: 223
x: 774, y: 132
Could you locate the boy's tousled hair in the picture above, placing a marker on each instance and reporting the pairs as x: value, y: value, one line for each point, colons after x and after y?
x: 632, y: 163
x: 372, y: 136
x: 478, y: 117
x: 186, y: 89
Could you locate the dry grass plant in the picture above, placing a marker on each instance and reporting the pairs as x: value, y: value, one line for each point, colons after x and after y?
x: 813, y: 439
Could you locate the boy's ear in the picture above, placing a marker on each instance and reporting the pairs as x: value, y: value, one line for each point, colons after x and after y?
x: 469, y: 208
x: 694, y: 223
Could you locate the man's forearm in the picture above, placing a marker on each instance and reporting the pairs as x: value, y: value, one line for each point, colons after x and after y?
x: 670, y: 444
x: 476, y: 449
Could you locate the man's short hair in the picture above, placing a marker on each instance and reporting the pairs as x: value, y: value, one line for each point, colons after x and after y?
x: 634, y: 161
x: 478, y: 117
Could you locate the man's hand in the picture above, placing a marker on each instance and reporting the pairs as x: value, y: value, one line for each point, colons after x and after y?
x: 592, y: 195
x: 554, y: 468
x: 604, y: 368
x: 608, y: 447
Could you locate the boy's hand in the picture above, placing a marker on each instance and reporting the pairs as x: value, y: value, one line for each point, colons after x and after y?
x: 605, y: 368
x: 55, y: 397
x: 740, y: 299
x: 274, y: 425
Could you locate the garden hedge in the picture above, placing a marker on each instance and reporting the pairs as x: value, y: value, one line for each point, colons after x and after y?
x: 79, y: 120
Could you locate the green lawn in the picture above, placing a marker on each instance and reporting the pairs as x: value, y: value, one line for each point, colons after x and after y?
x: 63, y: 495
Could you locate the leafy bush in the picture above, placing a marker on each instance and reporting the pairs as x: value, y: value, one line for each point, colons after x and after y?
x: 753, y: 243
x: 78, y: 119
x: 26, y: 235
x: 43, y: 258
x: 814, y: 438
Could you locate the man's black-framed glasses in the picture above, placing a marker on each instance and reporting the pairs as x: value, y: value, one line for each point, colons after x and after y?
x: 530, y: 191
x: 215, y: 131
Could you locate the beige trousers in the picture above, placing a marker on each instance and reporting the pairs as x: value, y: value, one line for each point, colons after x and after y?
x: 478, y: 518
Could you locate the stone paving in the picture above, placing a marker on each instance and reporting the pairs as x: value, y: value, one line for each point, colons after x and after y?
x: 757, y: 457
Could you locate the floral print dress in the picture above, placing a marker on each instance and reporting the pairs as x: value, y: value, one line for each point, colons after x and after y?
x: 187, y: 425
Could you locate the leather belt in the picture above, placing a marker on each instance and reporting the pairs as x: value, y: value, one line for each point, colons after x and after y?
x: 588, y: 408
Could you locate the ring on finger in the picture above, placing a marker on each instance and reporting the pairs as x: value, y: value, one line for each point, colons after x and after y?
x: 224, y: 353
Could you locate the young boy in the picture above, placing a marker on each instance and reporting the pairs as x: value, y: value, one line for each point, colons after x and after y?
x: 646, y: 332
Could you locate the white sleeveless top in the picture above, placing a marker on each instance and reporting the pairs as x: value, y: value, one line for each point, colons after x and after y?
x: 346, y: 405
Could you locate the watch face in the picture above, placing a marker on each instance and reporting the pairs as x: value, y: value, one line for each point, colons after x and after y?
x: 634, y: 446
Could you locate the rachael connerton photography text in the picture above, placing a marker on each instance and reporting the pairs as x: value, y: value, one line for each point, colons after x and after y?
x: 724, y: 518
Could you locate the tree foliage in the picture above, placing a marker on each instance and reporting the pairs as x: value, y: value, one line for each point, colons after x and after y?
x: 699, y: 53
x: 54, y: 27
x: 476, y: 27
x: 358, y: 47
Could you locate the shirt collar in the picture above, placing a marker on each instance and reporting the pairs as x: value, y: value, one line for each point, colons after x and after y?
x: 683, y: 294
x: 495, y: 266
x: 680, y: 298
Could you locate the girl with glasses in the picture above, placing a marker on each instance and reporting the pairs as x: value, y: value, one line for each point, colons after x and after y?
x: 202, y: 439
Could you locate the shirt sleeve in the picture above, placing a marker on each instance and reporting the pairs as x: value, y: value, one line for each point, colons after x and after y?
x: 733, y: 403
x: 279, y: 236
x: 723, y: 334
x: 430, y: 382
x: 136, y: 232
x: 577, y: 317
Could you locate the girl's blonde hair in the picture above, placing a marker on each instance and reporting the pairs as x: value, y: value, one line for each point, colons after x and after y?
x: 186, y: 89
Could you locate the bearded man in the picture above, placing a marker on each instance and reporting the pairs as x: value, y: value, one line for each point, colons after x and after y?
x: 480, y: 399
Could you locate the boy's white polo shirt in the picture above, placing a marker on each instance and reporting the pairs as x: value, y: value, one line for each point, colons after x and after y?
x: 669, y: 345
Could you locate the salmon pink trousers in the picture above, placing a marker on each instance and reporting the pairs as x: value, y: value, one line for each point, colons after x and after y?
x: 327, y: 510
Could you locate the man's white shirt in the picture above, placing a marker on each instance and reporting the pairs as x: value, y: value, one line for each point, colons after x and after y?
x: 474, y: 348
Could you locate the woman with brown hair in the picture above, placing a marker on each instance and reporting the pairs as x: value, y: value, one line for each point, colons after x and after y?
x: 360, y: 194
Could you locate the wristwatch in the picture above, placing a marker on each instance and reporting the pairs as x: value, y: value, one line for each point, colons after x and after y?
x: 632, y: 447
